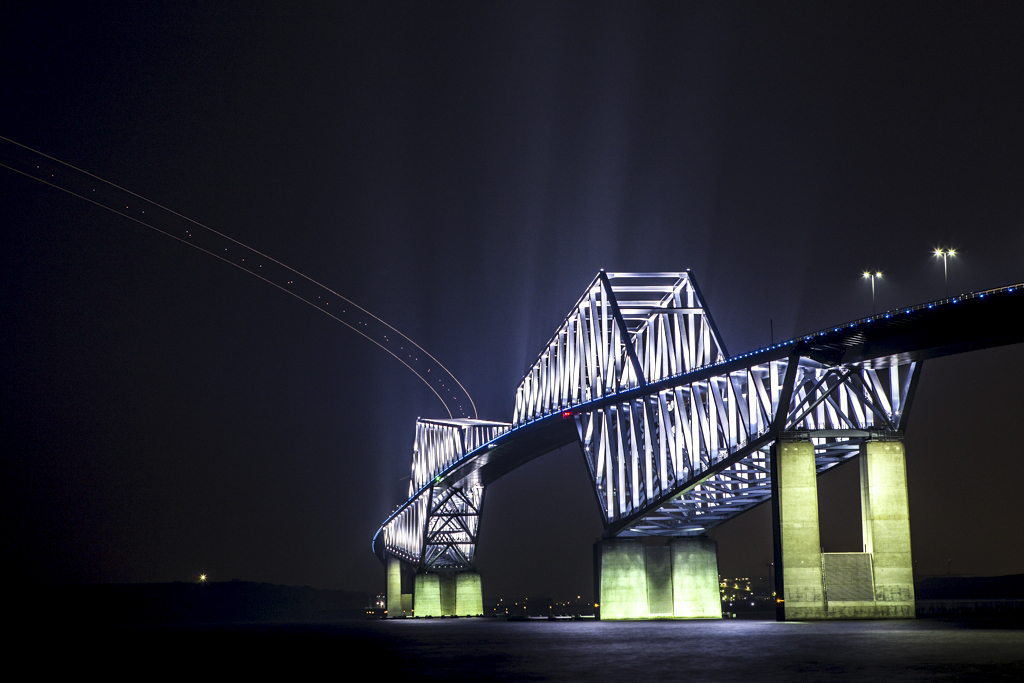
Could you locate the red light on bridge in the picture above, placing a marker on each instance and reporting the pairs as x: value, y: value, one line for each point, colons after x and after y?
x: 566, y: 414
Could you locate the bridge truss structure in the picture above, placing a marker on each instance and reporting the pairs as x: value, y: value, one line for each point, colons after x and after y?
x: 676, y: 432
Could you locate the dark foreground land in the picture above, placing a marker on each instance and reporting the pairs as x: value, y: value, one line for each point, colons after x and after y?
x: 487, y: 649
x: 974, y: 633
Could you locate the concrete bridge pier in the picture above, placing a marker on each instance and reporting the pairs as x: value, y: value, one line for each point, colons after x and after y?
x: 660, y: 579
x: 432, y: 594
x: 448, y: 594
x: 400, y: 588
x: 877, y: 583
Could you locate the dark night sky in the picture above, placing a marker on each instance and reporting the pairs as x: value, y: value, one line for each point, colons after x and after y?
x: 463, y: 170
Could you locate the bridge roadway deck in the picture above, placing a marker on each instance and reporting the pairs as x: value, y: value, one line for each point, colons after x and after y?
x: 939, y: 328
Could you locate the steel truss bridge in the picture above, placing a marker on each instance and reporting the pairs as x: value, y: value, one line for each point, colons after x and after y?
x: 676, y: 432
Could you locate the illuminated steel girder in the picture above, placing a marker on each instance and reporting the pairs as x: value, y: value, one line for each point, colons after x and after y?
x: 450, y: 541
x: 438, y: 530
x: 628, y: 329
x: 676, y: 433
x: 678, y: 459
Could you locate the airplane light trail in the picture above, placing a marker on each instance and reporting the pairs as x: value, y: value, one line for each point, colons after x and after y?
x: 116, y: 199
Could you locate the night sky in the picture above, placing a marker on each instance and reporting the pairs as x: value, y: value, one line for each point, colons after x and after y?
x: 463, y: 170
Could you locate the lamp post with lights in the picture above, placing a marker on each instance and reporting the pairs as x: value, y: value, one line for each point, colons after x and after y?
x: 872, y: 276
x: 945, y: 254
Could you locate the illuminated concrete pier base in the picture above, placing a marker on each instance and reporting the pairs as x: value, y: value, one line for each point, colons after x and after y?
x: 875, y: 584
x: 886, y: 525
x: 798, y: 581
x: 469, y: 597
x: 399, y: 576
x: 448, y: 594
x: 677, y: 580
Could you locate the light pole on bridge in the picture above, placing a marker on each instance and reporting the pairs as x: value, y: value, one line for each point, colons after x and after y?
x: 945, y: 254
x: 872, y: 277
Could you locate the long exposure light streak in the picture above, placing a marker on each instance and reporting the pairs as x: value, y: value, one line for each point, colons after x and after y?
x: 123, y: 202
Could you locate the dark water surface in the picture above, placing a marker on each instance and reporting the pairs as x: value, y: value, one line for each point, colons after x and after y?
x: 625, y: 652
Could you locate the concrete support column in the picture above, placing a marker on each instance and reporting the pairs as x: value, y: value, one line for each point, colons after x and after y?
x: 469, y: 597
x: 427, y: 595
x: 695, y: 593
x: 394, y: 605
x: 448, y: 595
x: 877, y: 583
x: 399, y: 591
x: 658, y: 580
x: 885, y: 515
x: 622, y: 593
x: 798, y: 579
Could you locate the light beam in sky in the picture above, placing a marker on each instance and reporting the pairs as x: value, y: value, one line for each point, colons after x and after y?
x: 145, y: 212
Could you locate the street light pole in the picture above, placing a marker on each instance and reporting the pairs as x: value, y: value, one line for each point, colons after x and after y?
x: 872, y: 276
x: 945, y: 254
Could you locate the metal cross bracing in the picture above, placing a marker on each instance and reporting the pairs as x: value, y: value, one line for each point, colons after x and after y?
x: 438, y: 529
x: 675, y: 460
x: 452, y: 526
x: 683, y: 459
x: 626, y: 330
x: 676, y: 433
x: 444, y: 538
x: 439, y: 443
